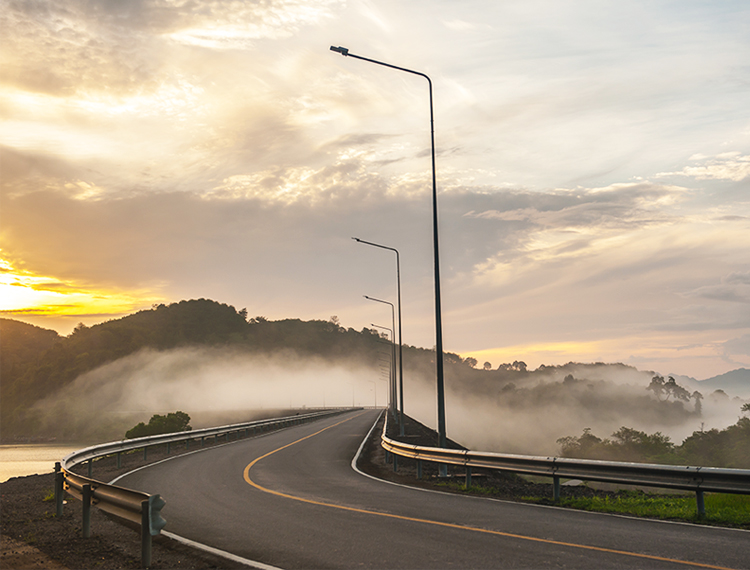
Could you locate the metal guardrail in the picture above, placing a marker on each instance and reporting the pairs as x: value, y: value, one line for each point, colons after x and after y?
x: 696, y: 479
x: 134, y: 508
x: 115, y: 447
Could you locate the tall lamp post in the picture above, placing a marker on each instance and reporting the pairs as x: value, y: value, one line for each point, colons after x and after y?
x: 393, y: 320
x: 438, y: 319
x: 400, y: 338
x: 392, y: 367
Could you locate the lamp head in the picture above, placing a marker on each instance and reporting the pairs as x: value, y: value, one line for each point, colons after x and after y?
x: 356, y: 239
x: 342, y: 50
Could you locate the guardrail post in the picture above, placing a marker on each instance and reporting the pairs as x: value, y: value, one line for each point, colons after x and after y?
x: 555, y: 488
x: 419, y: 468
x: 91, y: 467
x: 59, y: 489
x: 119, y: 460
x: 86, y: 526
x: 387, y: 456
x: 700, y: 503
x: 168, y: 448
x: 202, y: 440
x: 467, y: 483
x: 145, y: 534
x: 395, y: 462
x: 187, y: 444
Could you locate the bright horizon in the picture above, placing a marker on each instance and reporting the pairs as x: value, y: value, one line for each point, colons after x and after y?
x: 593, y: 167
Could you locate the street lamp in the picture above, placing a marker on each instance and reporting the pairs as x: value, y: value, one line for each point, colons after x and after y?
x: 392, y: 367
x: 393, y: 320
x: 400, y: 338
x: 438, y: 319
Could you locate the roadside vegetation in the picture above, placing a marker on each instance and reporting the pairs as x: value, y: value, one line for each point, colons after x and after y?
x: 729, y: 447
x: 721, y: 509
x: 171, y: 423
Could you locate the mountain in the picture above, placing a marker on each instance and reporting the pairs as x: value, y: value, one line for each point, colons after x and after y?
x: 38, y: 363
x: 734, y: 383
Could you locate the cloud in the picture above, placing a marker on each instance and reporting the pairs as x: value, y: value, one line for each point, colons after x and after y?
x: 737, y: 346
x: 218, y: 149
x: 734, y: 288
x: 726, y: 166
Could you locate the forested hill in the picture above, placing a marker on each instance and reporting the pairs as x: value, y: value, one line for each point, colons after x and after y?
x: 37, y: 362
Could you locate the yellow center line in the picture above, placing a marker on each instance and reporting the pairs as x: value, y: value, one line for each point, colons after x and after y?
x: 450, y: 525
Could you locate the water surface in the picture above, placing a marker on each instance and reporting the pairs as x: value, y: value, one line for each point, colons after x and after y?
x: 32, y: 459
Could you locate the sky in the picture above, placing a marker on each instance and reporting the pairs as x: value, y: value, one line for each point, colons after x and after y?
x: 593, y: 168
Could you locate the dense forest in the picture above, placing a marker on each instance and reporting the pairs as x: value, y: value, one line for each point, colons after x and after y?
x: 37, y: 363
x: 729, y: 447
x: 496, y: 408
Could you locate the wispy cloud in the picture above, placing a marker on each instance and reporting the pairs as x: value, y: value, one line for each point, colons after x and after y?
x: 726, y: 166
x: 734, y: 288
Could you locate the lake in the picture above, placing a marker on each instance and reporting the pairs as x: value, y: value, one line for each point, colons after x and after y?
x: 32, y: 459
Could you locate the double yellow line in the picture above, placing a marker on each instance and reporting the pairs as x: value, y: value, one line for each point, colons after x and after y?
x: 449, y: 525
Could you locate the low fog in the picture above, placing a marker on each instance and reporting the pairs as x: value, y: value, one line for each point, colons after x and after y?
x: 214, y: 386
x: 528, y: 417
x: 487, y: 411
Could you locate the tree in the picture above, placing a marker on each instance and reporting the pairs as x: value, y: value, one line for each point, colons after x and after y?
x: 487, y: 366
x: 657, y: 386
x: 633, y: 445
x: 471, y: 361
x: 669, y: 389
x: 745, y: 408
x: 674, y: 390
x: 697, y: 396
x: 157, y: 425
x: 587, y: 445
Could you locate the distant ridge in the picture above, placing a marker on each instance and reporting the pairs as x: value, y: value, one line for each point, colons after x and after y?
x: 734, y: 383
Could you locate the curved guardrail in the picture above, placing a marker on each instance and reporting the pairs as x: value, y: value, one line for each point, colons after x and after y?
x: 141, y: 510
x: 696, y: 479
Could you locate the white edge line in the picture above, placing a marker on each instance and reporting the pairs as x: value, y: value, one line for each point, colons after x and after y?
x: 217, y: 552
x: 644, y: 519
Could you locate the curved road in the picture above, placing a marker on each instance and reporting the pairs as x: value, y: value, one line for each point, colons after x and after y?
x: 291, y: 499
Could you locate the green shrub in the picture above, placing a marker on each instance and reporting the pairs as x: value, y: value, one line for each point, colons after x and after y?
x: 157, y: 425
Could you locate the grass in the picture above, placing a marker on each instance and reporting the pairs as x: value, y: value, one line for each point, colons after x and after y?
x: 721, y: 508
x: 471, y: 490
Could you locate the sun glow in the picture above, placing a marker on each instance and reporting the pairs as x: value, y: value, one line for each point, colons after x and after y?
x: 24, y: 294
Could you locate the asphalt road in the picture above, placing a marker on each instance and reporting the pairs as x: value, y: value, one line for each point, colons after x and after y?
x: 291, y: 499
